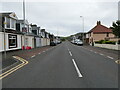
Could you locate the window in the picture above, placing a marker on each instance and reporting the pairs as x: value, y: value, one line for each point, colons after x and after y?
x: 107, y: 35
x: 12, y: 23
x: 12, y: 41
x: 26, y: 41
x: 7, y: 22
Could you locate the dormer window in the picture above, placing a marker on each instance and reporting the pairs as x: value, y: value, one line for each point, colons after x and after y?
x: 10, y: 23
x: 7, y: 22
x: 13, y: 23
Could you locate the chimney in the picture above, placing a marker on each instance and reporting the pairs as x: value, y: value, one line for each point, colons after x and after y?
x: 98, y: 23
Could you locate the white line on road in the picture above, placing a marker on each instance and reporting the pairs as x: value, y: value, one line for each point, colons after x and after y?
x: 101, y: 54
x: 95, y: 52
x: 91, y: 50
x: 33, y: 56
x: 110, y: 57
x: 70, y: 53
x: 76, y: 67
x: 68, y: 49
x: 43, y: 51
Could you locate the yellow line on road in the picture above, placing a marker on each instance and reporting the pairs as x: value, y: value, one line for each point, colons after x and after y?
x: 24, y: 62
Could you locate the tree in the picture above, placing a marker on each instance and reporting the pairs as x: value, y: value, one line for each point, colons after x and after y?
x: 116, y: 28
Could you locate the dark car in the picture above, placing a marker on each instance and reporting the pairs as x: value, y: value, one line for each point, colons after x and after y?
x: 52, y: 43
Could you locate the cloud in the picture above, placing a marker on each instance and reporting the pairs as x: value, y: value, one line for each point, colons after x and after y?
x: 64, y: 17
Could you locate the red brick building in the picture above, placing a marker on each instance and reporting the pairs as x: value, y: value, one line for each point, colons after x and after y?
x: 99, y: 32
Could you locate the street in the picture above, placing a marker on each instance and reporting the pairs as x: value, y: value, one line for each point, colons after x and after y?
x: 65, y: 66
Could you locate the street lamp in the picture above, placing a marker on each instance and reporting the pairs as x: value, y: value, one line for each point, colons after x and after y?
x: 83, y: 28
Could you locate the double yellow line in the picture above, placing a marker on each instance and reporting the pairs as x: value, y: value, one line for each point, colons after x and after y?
x: 24, y: 62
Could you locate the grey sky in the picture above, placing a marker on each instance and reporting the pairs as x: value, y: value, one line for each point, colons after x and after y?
x: 64, y: 17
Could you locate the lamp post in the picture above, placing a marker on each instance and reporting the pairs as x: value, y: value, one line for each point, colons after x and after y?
x: 83, y: 27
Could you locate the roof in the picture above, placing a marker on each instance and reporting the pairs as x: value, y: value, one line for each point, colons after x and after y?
x: 100, y: 29
x: 9, y: 14
x: 22, y: 21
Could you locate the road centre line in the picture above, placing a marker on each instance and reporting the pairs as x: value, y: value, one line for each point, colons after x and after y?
x: 70, y: 53
x: 76, y: 67
x: 68, y: 49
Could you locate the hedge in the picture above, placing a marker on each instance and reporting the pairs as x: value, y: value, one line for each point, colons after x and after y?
x: 105, y: 42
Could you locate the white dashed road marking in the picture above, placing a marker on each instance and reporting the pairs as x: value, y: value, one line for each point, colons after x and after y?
x: 91, y: 50
x: 76, y: 67
x: 110, y: 57
x: 33, y: 56
x: 70, y: 53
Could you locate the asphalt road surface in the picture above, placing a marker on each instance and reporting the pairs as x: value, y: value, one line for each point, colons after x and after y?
x: 65, y: 66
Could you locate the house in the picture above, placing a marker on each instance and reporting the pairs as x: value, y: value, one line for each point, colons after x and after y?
x: 22, y: 26
x: 36, y: 31
x: 13, y: 37
x: 51, y: 36
x: 45, y: 39
x: 99, y: 32
x: 28, y: 37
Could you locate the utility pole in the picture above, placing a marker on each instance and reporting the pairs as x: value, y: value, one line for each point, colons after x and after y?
x: 24, y: 20
x: 119, y: 10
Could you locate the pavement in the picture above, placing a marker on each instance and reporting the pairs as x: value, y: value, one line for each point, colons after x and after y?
x: 65, y: 66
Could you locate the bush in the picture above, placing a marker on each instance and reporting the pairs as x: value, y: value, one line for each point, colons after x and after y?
x: 110, y: 42
x: 105, y: 42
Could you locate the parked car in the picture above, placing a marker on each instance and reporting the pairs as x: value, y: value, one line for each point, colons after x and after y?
x: 58, y: 42
x: 79, y: 42
x: 53, y: 43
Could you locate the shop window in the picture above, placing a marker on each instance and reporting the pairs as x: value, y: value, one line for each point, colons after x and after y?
x: 12, y: 41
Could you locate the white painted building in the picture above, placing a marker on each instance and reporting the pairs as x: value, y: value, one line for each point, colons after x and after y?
x: 12, y: 41
x: 12, y: 36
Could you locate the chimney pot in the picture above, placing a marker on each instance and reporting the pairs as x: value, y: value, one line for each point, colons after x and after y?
x: 98, y: 23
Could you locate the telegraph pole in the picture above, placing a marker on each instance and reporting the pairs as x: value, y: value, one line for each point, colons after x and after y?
x: 24, y: 20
